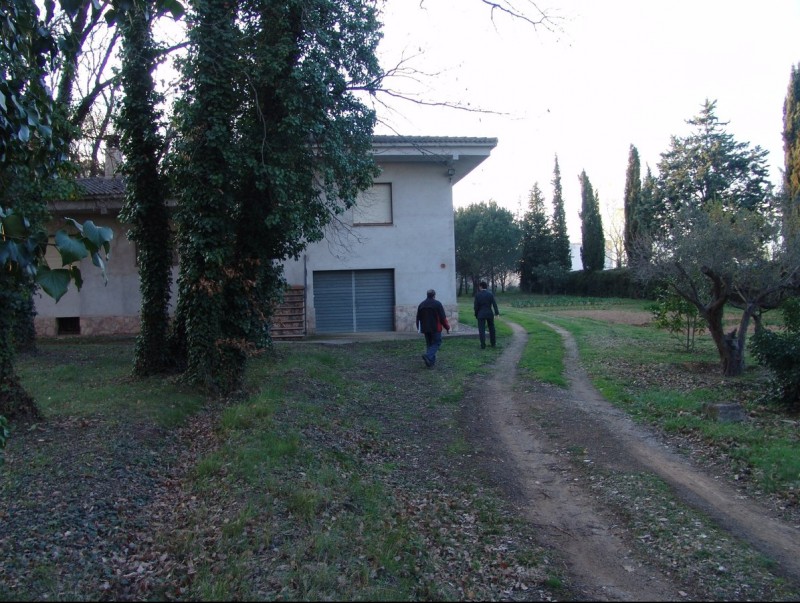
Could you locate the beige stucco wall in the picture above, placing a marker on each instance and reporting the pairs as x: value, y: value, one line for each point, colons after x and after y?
x: 111, y: 308
x: 419, y: 245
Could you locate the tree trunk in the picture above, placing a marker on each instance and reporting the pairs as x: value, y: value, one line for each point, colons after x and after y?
x: 733, y: 361
x: 729, y: 354
x: 731, y: 345
x: 24, y: 327
x: 15, y: 403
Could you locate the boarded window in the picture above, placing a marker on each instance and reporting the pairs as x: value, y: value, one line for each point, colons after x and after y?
x: 374, y: 206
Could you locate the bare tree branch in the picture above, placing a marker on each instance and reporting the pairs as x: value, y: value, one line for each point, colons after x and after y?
x: 542, y: 18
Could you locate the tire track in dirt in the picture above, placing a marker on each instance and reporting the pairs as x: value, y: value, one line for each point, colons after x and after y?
x: 585, y: 536
x: 596, y: 557
x: 743, y: 518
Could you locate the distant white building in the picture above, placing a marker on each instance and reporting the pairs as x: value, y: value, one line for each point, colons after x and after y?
x: 577, y: 263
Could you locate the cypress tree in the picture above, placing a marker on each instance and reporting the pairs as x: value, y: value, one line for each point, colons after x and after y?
x: 561, y: 248
x: 593, y: 248
x: 791, y: 148
x: 537, y: 241
x: 633, y: 198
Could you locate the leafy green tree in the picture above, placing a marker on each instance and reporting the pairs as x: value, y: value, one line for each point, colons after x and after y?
x: 536, y: 245
x: 465, y: 220
x: 274, y: 142
x: 791, y: 149
x: 632, y: 203
x: 647, y: 221
x: 30, y: 152
x: 710, y: 166
x: 593, y: 246
x: 487, y: 242
x: 715, y: 257
x: 562, y: 253
x: 22, y: 258
x: 718, y: 241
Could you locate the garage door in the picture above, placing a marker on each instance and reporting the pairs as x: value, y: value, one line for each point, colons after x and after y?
x: 354, y: 301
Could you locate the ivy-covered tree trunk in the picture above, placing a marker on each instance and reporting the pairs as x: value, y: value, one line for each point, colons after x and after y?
x: 273, y: 144
x: 208, y: 209
x: 15, y: 402
x: 24, y: 325
x: 145, y: 206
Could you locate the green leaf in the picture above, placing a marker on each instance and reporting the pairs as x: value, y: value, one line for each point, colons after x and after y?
x: 99, y: 237
x: 98, y: 261
x: 77, y: 277
x: 53, y: 282
x: 9, y: 253
x: 174, y: 7
x: 71, y: 249
x: 76, y: 224
x: 14, y: 226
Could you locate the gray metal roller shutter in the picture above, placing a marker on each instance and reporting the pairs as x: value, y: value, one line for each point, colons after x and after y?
x: 374, y: 300
x: 352, y: 301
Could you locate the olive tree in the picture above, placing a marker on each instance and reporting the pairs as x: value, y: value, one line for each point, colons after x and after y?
x: 717, y: 239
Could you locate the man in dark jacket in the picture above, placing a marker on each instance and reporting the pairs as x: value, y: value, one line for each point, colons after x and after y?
x: 431, y: 318
x: 485, y: 311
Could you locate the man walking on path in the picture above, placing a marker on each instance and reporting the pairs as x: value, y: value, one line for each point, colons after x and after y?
x: 431, y: 318
x: 485, y: 310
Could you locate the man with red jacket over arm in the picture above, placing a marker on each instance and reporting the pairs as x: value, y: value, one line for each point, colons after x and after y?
x: 431, y: 318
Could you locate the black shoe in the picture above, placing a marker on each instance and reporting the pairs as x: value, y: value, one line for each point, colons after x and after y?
x: 483, y: 346
x: 426, y: 361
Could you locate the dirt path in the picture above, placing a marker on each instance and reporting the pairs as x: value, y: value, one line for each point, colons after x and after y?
x: 534, y: 428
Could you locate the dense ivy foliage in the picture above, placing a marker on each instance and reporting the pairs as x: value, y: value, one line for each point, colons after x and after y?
x: 145, y: 209
x: 29, y: 153
x: 273, y: 144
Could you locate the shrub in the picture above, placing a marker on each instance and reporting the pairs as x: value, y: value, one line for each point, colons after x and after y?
x: 779, y: 351
x: 673, y: 313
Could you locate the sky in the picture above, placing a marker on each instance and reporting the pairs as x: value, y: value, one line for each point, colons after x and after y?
x: 606, y: 76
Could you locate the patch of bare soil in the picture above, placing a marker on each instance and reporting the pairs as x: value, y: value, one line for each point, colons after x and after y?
x: 624, y: 317
x: 633, y: 520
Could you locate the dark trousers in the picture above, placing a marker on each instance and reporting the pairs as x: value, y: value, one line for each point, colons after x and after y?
x: 433, y: 342
x: 482, y: 323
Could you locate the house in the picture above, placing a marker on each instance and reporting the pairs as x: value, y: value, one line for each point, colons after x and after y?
x: 369, y: 273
